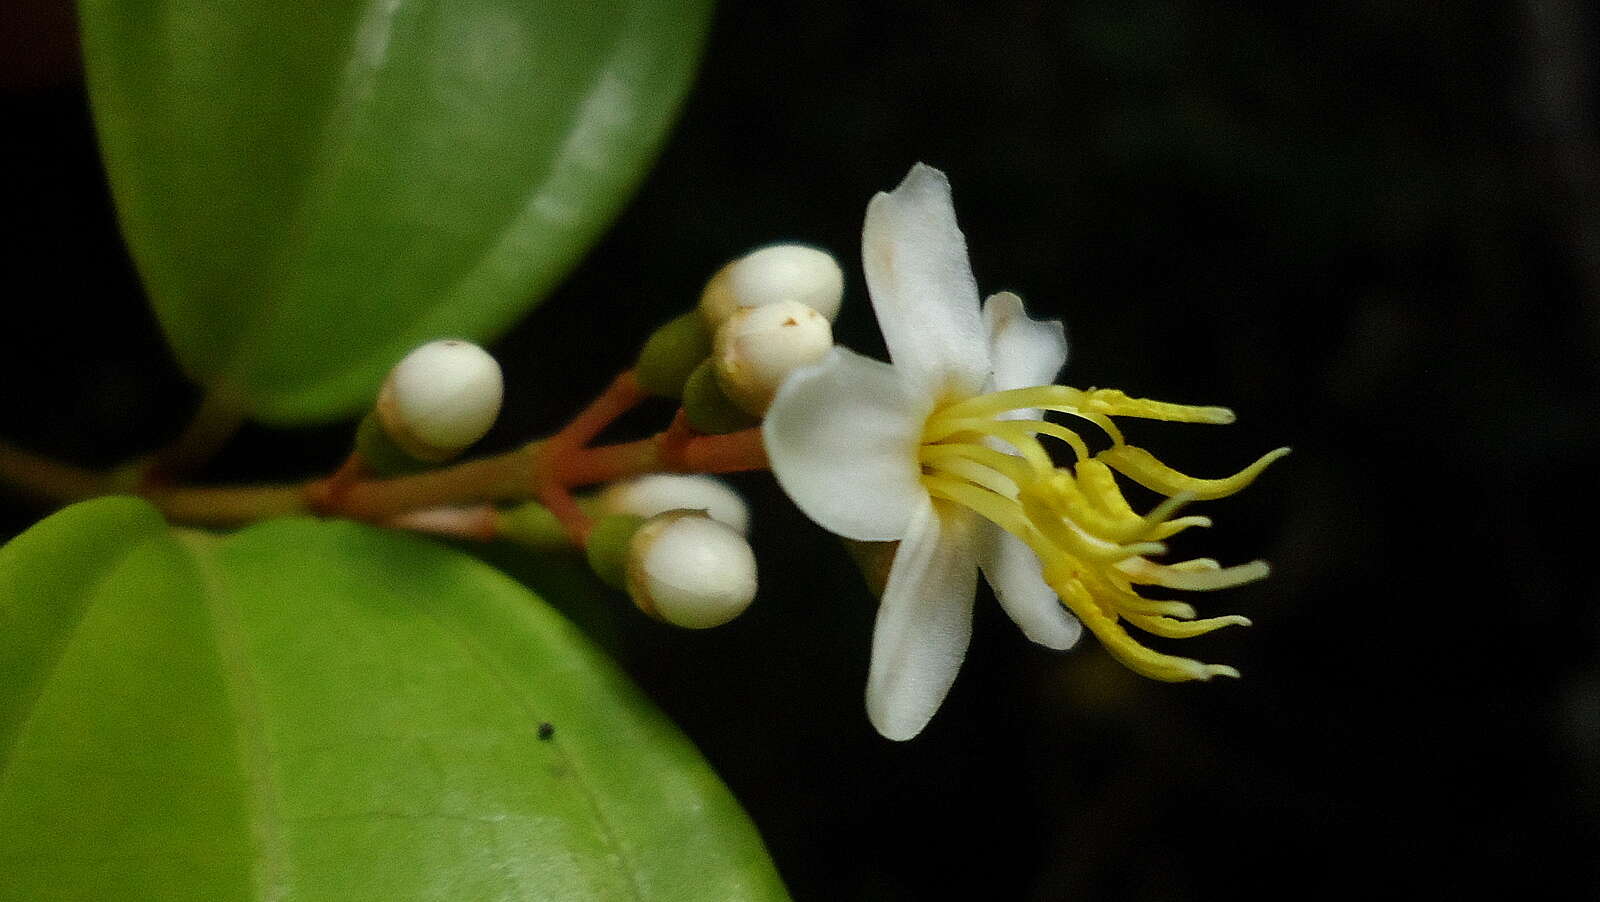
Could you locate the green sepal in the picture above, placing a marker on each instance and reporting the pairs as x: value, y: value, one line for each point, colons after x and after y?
x: 608, y: 548
x: 531, y: 524
x: 672, y: 353
x: 381, y: 454
x: 708, y: 407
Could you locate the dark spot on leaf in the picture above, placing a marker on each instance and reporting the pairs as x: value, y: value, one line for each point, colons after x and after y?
x: 546, y: 730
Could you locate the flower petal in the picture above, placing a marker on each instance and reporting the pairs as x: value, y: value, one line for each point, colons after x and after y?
x: 1016, y: 575
x: 922, y: 287
x: 924, y: 622
x: 1026, y: 352
x: 842, y: 437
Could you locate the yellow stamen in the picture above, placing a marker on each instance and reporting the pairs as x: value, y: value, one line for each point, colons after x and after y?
x: 1062, y: 492
x: 1194, y: 580
x: 1142, y: 467
x: 1114, y: 403
x: 991, y: 469
x: 1184, y: 629
x: 1124, y: 648
x: 1172, y: 527
x: 1094, y: 547
x: 1016, y: 433
x: 997, y: 509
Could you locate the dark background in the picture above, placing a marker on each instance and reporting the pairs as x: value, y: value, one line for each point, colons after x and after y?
x: 1371, y: 228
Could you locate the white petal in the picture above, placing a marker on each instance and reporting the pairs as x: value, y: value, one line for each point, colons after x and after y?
x: 1014, y: 571
x: 924, y: 622
x: 1026, y: 352
x: 922, y: 287
x: 842, y: 438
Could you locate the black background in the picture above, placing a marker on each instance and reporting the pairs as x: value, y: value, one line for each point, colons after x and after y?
x: 1370, y: 228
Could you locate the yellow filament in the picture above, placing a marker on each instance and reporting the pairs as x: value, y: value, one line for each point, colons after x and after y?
x: 1100, y: 487
x: 1058, y: 398
x: 1063, y: 492
x: 997, y: 509
x: 1067, y: 536
x: 1193, y: 579
x: 1013, y: 432
x: 1129, y: 603
x: 999, y: 474
x: 1142, y: 467
x: 1095, y: 548
x: 1172, y: 527
x: 1183, y: 629
x: 1057, y: 431
x: 1115, y: 403
x: 991, y: 405
x: 1122, y: 646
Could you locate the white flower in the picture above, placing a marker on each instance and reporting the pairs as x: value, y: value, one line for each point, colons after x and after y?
x: 908, y: 452
x: 857, y: 472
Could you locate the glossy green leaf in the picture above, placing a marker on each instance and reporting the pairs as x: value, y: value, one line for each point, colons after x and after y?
x: 311, y: 189
x: 324, y: 711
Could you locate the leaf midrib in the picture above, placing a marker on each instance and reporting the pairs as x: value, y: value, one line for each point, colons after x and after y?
x: 270, y: 869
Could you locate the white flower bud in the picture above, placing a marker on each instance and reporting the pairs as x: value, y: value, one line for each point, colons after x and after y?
x: 777, y: 272
x: 689, y: 570
x: 657, y: 493
x: 440, y: 398
x: 758, y: 347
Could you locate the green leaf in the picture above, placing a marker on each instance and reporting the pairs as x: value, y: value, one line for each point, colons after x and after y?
x: 320, y: 710
x: 311, y: 190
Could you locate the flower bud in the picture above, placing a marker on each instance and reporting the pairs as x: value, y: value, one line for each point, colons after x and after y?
x: 777, y: 272
x: 657, y: 493
x: 439, y: 399
x: 757, y: 347
x: 689, y: 570
x: 671, y: 354
x: 708, y: 407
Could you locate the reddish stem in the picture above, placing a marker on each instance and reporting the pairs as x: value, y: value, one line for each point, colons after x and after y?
x: 545, y: 470
x: 622, y: 395
x: 735, y: 452
x: 676, y: 439
x: 328, y: 495
x: 731, y: 453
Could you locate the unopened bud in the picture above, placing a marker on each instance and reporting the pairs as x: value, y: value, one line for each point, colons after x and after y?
x: 671, y: 354
x: 657, y: 493
x: 777, y: 272
x: 709, y: 409
x: 440, y: 399
x: 758, y: 347
x: 689, y: 570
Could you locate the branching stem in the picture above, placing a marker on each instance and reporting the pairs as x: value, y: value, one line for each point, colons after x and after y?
x: 453, y: 500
